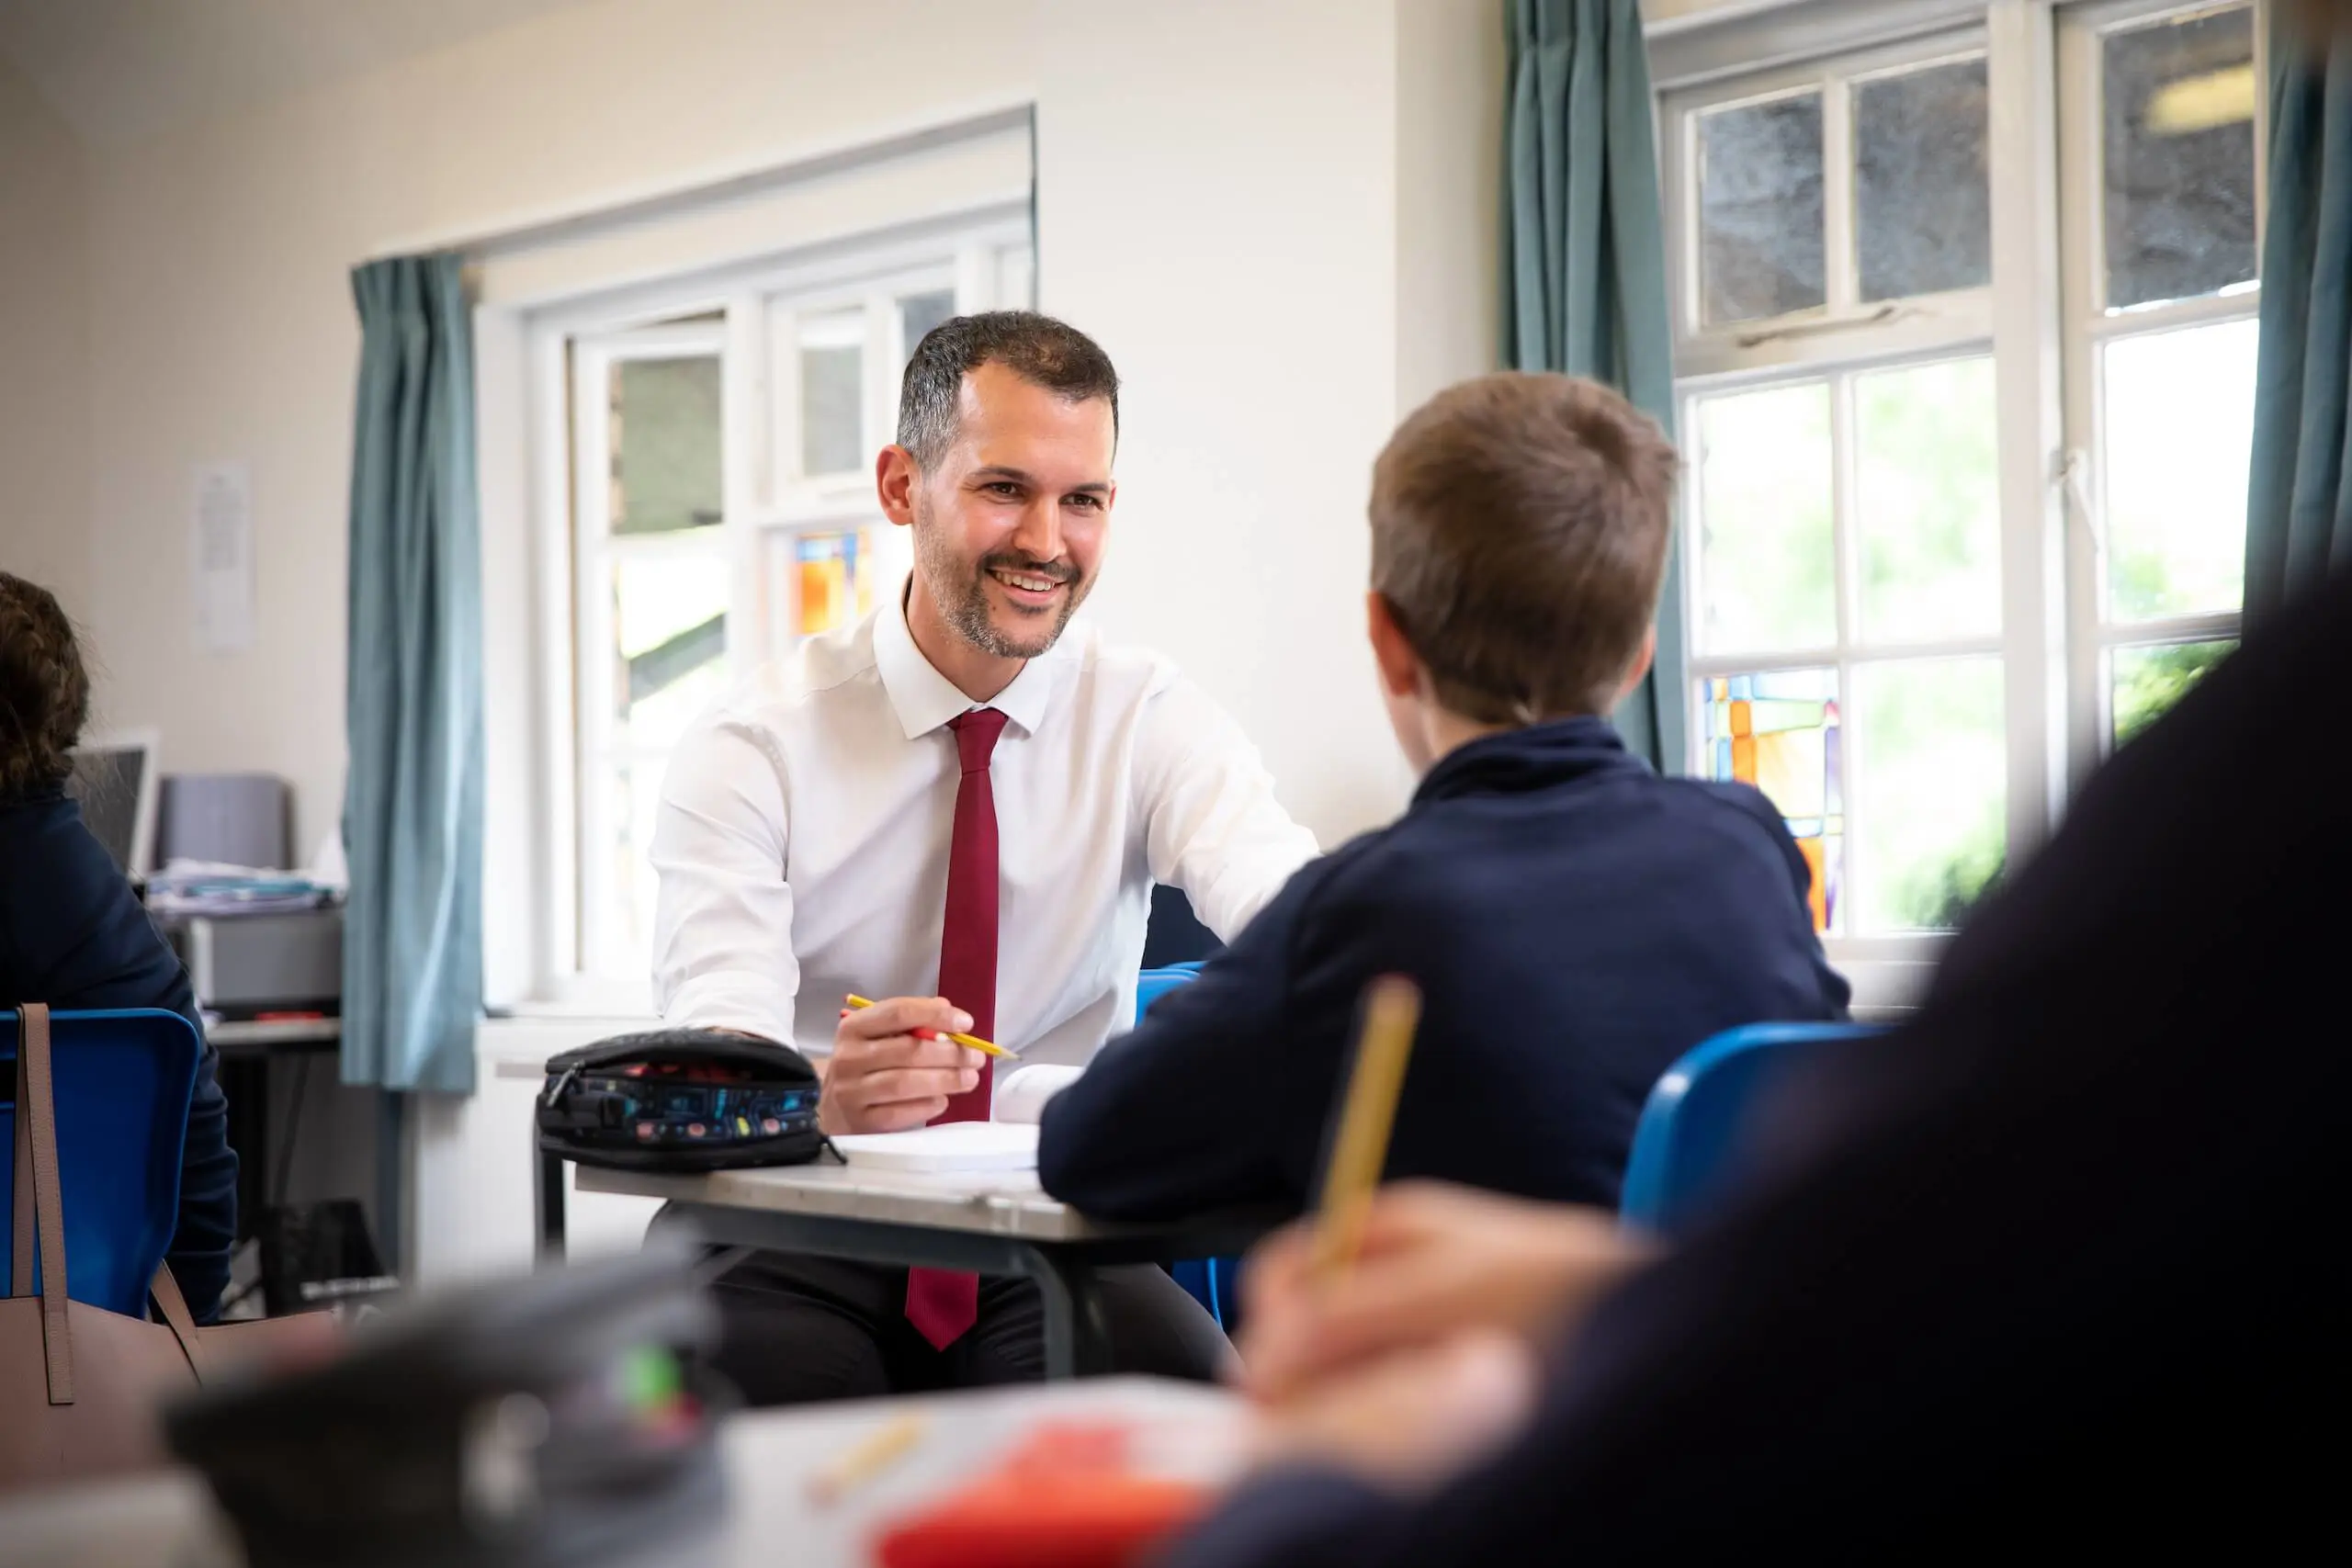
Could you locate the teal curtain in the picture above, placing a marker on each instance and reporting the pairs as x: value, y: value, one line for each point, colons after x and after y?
x: 2298, y: 503
x: 413, y: 800
x: 1584, y: 260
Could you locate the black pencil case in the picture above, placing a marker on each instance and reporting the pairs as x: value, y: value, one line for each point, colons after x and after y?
x: 681, y: 1100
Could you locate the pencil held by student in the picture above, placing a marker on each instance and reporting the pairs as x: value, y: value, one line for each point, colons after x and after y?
x: 1367, y: 1114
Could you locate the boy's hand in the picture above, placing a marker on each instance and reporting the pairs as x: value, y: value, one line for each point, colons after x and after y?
x: 1436, y: 1261
x: 882, y: 1079
x: 1411, y: 1420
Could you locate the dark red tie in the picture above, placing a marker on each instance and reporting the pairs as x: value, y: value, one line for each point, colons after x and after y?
x: 943, y: 1305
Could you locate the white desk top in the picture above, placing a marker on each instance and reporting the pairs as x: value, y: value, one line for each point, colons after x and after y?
x: 994, y: 1202
x: 168, y: 1521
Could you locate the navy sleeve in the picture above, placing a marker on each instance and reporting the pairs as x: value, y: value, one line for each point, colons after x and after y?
x: 1180, y: 1115
x: 1836, y: 992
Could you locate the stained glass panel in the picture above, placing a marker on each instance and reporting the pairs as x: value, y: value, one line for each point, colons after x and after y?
x: 1781, y: 732
x: 836, y: 581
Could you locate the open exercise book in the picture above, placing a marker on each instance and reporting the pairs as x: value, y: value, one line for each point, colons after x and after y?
x: 1008, y: 1143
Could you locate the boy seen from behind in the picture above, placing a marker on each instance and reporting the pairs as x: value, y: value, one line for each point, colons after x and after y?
x: 1575, y: 922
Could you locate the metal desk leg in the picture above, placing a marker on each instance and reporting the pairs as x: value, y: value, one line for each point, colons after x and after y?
x: 1078, y: 1341
x: 549, y: 1184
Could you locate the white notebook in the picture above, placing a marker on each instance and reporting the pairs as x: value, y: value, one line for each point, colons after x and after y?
x: 948, y: 1146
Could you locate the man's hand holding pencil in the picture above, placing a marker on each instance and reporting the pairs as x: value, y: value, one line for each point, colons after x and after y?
x: 892, y: 1067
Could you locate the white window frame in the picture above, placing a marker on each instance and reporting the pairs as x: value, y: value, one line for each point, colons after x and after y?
x: 595, y: 551
x: 2036, y: 318
x: 1834, y: 343
x: 986, y: 257
x: 2088, y: 327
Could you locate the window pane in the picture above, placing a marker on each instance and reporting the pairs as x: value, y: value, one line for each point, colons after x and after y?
x: 2179, y: 158
x: 2146, y: 682
x: 1930, y: 779
x: 833, y: 392
x: 670, y: 643
x: 623, y: 929
x: 918, y: 313
x: 1924, y: 208
x: 665, y: 432
x: 1767, y: 570
x: 1781, y: 733
x: 2178, y: 427
x: 1930, y: 501
x: 1759, y: 209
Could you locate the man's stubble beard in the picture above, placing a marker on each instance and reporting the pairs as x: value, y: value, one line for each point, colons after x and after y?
x: 961, y: 593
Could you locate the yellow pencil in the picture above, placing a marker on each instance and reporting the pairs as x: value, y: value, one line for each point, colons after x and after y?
x: 880, y: 1448
x: 1392, y: 1011
x: 973, y: 1040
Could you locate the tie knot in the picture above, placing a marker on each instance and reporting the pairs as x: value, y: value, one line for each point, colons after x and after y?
x: 976, y: 732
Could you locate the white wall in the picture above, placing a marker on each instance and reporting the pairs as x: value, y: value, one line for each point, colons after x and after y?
x: 1217, y: 202
x: 1452, y: 57
x: 44, y: 323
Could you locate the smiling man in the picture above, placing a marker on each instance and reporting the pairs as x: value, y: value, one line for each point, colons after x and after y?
x: 960, y: 805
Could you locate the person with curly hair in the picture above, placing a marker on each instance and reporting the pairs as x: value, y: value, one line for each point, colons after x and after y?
x: 73, y: 933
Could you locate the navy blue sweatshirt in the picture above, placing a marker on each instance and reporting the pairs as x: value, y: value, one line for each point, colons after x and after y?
x: 73, y: 934
x: 1575, y: 922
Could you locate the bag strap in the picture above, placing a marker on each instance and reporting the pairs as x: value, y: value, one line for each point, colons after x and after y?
x: 177, y: 1318
x: 23, y: 1228
x: 37, y: 1105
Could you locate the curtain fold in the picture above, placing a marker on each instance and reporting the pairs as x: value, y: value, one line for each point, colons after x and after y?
x: 2298, y: 501
x: 413, y: 799
x: 1584, y: 261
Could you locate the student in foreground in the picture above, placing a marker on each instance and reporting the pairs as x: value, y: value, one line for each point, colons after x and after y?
x: 1575, y: 922
x: 2059, y: 1265
x: 71, y: 931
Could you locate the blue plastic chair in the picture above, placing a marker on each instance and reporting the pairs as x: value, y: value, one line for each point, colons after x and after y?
x: 1154, y: 984
x: 122, y: 1080
x: 1691, y: 1144
x: 1206, y: 1279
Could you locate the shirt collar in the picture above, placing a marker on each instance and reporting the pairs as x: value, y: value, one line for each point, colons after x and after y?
x: 925, y: 699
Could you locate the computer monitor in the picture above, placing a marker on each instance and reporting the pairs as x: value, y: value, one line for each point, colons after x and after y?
x: 113, y: 780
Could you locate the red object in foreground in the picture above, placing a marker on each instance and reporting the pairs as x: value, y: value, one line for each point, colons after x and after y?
x: 1070, y: 1498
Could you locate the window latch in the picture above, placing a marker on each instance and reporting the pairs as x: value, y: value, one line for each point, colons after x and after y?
x: 1885, y: 313
x: 2073, y: 477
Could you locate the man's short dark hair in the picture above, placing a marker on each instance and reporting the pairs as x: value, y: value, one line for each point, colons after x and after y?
x: 1040, y: 350
x: 1518, y: 532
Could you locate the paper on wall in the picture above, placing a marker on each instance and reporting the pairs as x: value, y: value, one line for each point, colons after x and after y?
x: 220, y: 556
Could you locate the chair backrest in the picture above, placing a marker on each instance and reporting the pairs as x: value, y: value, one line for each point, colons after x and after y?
x: 122, y: 1080
x: 1202, y: 1278
x: 1689, y: 1146
x: 1154, y: 984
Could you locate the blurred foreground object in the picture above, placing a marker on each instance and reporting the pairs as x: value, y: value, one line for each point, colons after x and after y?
x: 551, y: 1420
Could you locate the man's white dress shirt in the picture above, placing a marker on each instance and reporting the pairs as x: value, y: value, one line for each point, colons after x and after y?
x: 803, y: 832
